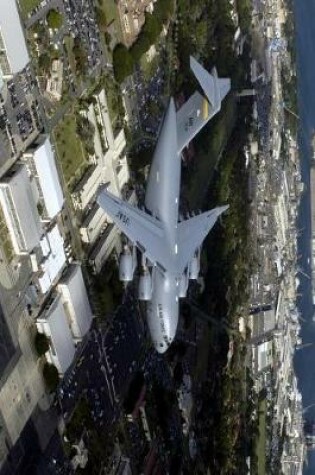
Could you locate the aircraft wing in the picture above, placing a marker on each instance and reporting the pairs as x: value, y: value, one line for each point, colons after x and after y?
x: 143, y: 230
x: 191, y: 234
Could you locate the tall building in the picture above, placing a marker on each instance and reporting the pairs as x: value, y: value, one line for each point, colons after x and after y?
x: 20, y: 210
x: 13, y: 51
x: 40, y: 162
x: 53, y: 323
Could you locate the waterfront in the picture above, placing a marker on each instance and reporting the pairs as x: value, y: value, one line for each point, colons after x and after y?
x: 305, y: 358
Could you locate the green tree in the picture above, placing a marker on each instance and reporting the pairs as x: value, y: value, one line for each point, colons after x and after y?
x: 51, y: 376
x: 164, y: 9
x: 44, y: 62
x: 140, y: 47
x: 152, y: 27
x: 41, y: 343
x: 122, y: 62
x: 54, y: 19
x: 201, y: 32
x: 80, y: 56
x: 85, y: 129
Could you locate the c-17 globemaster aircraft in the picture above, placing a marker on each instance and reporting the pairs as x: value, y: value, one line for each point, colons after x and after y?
x: 170, y: 248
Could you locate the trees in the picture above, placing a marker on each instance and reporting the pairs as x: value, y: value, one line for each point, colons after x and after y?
x: 80, y: 56
x: 85, y: 129
x: 41, y: 343
x: 44, y: 62
x: 122, y: 62
x: 152, y: 27
x: 51, y: 376
x: 100, y: 18
x: 54, y: 19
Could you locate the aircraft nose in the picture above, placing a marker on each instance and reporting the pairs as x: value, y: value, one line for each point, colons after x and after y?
x: 162, y: 345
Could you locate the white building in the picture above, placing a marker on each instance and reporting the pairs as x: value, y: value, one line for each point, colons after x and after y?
x: 93, y: 224
x: 20, y: 210
x: 110, y: 158
x: 42, y: 168
x: 13, y: 51
x: 262, y: 356
x: 103, y: 247
x: 53, y: 323
x: 54, y: 259
x: 110, y: 166
x: 75, y: 301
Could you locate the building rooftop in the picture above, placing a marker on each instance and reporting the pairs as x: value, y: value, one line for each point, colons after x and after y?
x: 54, y: 258
x: 75, y: 297
x: 53, y: 322
x: 20, y: 209
x: 12, y: 35
x: 46, y: 170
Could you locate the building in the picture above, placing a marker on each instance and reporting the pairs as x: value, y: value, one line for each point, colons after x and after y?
x: 13, y: 51
x: 54, y: 81
x: 132, y: 17
x: 262, y: 357
x: 20, y: 210
x: 41, y: 166
x: 262, y: 322
x: 53, y: 259
x: 53, y: 322
x: 75, y: 301
x: 109, y: 167
x: 22, y: 390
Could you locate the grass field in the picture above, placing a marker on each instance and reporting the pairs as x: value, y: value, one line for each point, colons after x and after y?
x: 70, y: 150
x: 261, y: 440
x: 112, y: 100
x: 27, y: 6
x: 68, y: 41
x: 112, y: 16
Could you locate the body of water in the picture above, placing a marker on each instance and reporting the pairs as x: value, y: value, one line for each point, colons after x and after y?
x: 305, y: 358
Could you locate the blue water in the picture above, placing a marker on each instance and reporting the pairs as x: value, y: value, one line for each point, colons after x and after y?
x: 305, y: 358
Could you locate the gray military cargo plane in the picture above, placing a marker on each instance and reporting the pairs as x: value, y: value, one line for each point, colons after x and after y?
x: 170, y: 248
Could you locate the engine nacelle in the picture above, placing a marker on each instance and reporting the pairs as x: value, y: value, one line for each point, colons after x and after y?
x: 194, y: 266
x: 183, y: 285
x: 126, y: 266
x: 145, y: 286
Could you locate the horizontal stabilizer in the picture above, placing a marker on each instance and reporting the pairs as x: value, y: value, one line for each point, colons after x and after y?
x: 198, y: 110
x: 214, y: 88
x: 191, y: 117
x: 191, y: 234
x: 225, y: 86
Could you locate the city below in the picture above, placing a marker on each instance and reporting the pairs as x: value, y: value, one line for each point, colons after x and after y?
x: 150, y: 188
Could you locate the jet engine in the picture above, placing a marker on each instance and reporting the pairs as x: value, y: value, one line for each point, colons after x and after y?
x: 145, y: 286
x: 183, y: 285
x: 126, y: 265
x: 194, y: 266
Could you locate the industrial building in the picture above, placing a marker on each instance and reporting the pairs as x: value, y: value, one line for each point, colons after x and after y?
x: 66, y: 318
x: 53, y: 323
x: 75, y: 301
x: 54, y: 259
x: 20, y: 210
x: 13, y: 51
x: 41, y: 165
